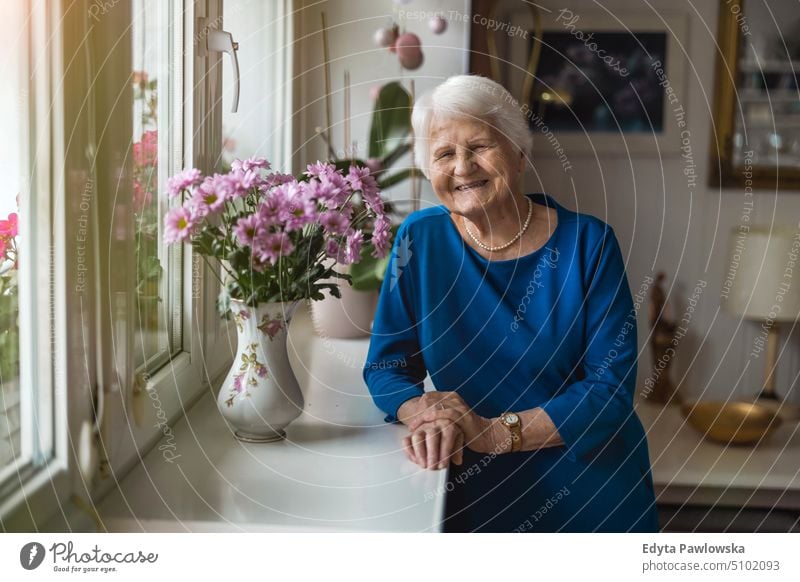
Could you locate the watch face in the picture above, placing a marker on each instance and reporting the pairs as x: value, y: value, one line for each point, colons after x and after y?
x: 512, y: 418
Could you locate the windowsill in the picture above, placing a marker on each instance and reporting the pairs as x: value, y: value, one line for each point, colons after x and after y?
x: 340, y: 469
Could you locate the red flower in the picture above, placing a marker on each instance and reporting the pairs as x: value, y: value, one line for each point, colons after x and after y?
x: 9, y: 228
x: 145, y: 152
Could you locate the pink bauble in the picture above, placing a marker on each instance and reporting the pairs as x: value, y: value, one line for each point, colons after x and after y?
x: 412, y: 61
x: 437, y: 24
x: 408, y: 46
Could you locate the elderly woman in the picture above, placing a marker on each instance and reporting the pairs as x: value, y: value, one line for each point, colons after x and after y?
x: 520, y: 311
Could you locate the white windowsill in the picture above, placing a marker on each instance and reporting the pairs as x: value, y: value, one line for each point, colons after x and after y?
x: 340, y: 469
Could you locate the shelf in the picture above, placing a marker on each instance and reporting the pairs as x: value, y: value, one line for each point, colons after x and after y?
x: 689, y: 469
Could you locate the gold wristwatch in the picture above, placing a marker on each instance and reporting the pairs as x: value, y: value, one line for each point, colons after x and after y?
x: 512, y: 422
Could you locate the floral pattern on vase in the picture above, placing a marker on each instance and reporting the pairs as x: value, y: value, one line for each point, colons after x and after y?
x: 249, y: 370
x: 270, y: 326
x: 260, y: 396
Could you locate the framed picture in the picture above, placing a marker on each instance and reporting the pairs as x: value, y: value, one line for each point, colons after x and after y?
x: 602, y: 83
x: 756, y: 128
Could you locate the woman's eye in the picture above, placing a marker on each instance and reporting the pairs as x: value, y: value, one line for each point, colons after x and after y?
x: 444, y: 155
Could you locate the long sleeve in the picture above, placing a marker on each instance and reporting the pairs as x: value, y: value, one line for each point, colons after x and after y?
x: 589, y: 412
x: 394, y: 371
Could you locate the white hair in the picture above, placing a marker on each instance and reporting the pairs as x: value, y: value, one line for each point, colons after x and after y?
x: 473, y: 97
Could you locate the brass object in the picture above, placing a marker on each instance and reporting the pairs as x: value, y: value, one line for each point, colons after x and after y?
x: 768, y: 398
x: 735, y: 423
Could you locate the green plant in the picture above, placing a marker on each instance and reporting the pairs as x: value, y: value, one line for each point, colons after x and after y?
x: 388, y: 142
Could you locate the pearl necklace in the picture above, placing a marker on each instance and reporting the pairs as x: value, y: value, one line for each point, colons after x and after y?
x: 509, y: 243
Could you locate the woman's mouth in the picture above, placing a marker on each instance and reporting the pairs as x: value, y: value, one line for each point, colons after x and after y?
x: 474, y: 185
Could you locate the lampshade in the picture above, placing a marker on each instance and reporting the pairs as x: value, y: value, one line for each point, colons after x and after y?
x: 762, y: 280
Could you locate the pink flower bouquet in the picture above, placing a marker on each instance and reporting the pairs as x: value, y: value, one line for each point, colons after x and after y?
x: 273, y: 234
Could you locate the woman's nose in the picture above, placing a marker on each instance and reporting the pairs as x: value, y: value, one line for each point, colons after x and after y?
x: 464, y: 164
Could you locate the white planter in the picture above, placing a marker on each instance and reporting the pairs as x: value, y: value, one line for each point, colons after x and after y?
x: 260, y: 396
x: 348, y: 317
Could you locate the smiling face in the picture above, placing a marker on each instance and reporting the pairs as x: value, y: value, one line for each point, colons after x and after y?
x: 474, y: 170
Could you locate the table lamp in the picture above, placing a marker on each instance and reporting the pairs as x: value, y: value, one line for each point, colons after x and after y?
x: 762, y: 283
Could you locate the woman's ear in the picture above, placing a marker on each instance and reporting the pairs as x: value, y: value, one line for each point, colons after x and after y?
x: 521, y: 162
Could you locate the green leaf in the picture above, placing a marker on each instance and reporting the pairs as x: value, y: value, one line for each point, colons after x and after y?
x: 391, y: 120
x: 344, y: 165
x: 395, y: 178
x: 390, y: 158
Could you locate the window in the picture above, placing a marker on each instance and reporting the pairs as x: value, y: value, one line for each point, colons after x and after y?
x: 106, y: 334
x: 12, y: 104
x: 32, y: 432
x: 156, y: 155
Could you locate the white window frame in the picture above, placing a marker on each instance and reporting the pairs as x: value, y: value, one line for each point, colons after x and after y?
x: 86, y: 372
x: 46, y: 308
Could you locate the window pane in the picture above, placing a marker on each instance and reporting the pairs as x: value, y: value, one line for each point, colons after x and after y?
x: 262, y: 125
x: 13, y: 112
x: 157, y: 299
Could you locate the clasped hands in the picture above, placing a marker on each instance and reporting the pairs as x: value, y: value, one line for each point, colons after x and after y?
x: 440, y: 425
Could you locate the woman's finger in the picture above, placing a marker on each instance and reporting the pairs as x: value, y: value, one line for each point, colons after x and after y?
x: 418, y: 445
x: 433, y: 416
x: 432, y: 447
x: 448, y: 443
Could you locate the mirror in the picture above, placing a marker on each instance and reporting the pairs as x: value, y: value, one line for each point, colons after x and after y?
x: 756, y: 131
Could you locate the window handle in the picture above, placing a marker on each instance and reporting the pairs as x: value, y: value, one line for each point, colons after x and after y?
x: 221, y: 41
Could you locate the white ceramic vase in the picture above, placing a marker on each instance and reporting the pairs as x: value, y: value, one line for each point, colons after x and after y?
x: 260, y: 396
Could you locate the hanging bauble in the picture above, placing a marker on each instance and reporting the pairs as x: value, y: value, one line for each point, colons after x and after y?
x: 437, y: 24
x: 408, y: 46
x: 385, y: 37
x: 414, y: 61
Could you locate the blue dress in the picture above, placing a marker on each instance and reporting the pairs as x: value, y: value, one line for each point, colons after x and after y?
x: 554, y: 329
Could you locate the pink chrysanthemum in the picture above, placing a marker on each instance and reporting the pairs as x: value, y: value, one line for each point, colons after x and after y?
x: 320, y: 169
x: 209, y: 197
x: 298, y: 212
x: 239, y: 182
x: 332, y: 248
x: 272, y: 246
x: 352, y: 249
x: 178, y: 225
x: 250, y: 164
x: 380, y: 236
x: 183, y: 181
x: 334, y: 222
x: 249, y: 228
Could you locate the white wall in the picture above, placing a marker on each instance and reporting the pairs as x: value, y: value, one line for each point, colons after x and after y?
x: 661, y: 223
x: 352, y: 24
